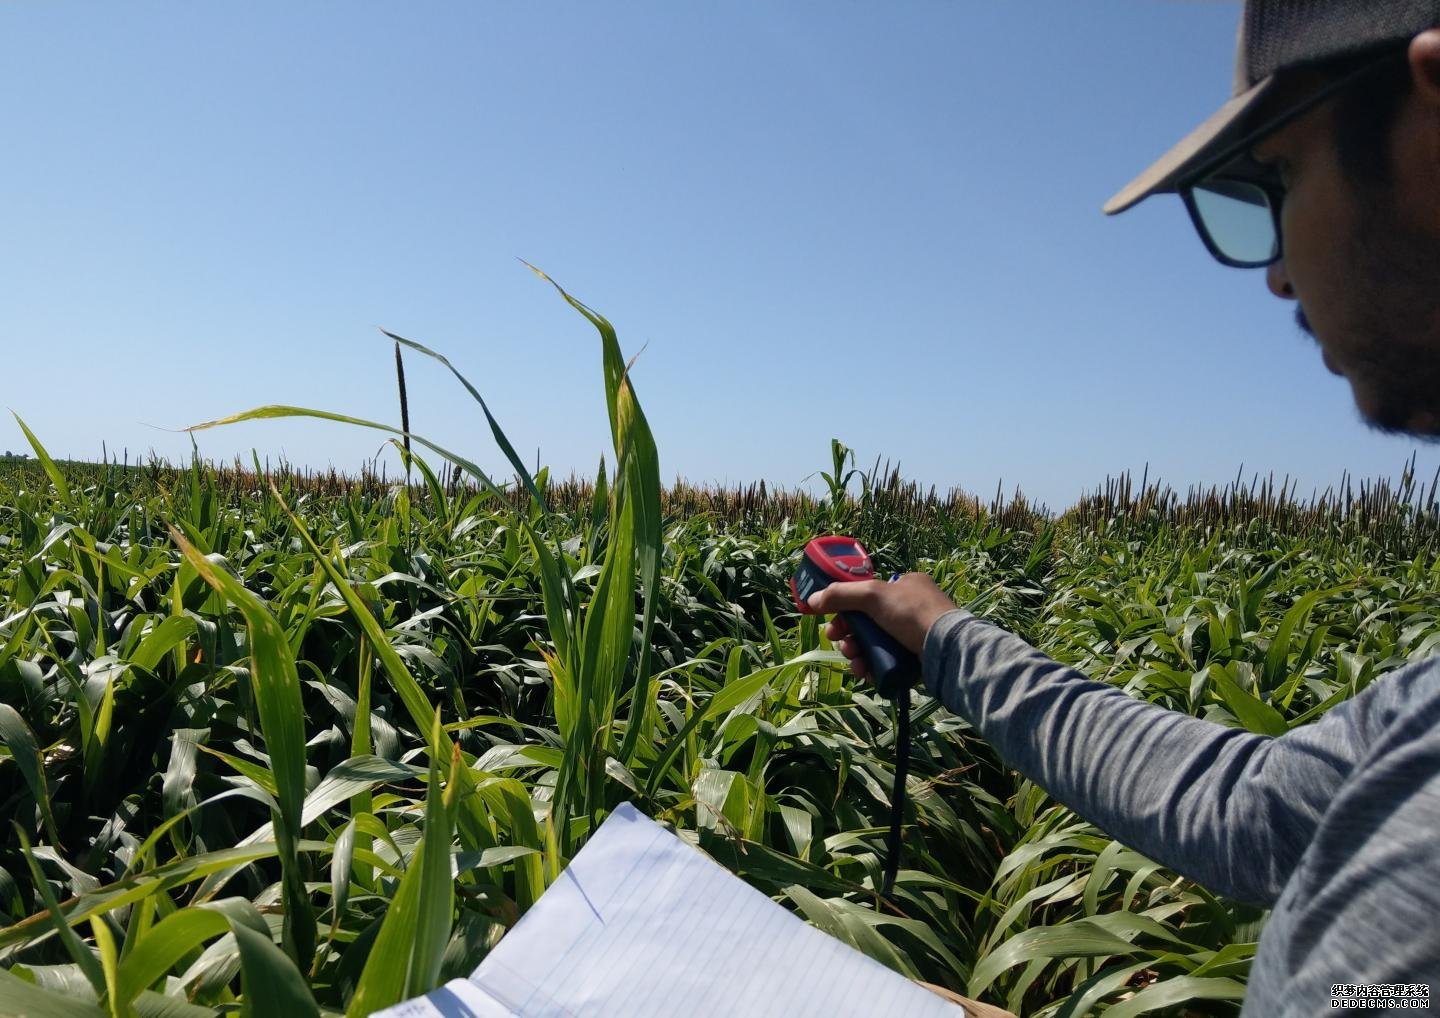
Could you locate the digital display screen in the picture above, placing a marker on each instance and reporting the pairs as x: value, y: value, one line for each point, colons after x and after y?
x: 842, y: 548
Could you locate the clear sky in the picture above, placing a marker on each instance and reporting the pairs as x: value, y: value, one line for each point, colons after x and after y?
x: 872, y: 221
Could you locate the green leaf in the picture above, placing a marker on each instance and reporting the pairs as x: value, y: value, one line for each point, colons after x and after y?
x: 405, y: 959
x: 276, y: 411
x: 473, y: 825
x: 437, y: 891
x: 165, y: 637
x: 110, y: 965
x: 341, y: 863
x: 1255, y: 714
x: 177, y: 935
x: 271, y: 983
x: 732, y: 695
x: 1177, y: 990
x: 1083, y: 999
x: 387, y: 969
x: 499, y: 434
x: 262, y: 776
x: 138, y: 886
x: 17, y: 997
x: 1081, y: 939
x: 343, y: 781
x: 1278, y: 655
x: 79, y: 953
x: 759, y: 862
x: 176, y: 788
x: 18, y: 738
x: 559, y: 612
x: 282, y: 720
x: 57, y: 477
x: 836, y: 917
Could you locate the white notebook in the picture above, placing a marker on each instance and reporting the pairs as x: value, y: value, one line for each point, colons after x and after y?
x: 640, y: 924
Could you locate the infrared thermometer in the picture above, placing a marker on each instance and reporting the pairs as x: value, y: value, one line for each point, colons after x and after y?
x: 835, y: 559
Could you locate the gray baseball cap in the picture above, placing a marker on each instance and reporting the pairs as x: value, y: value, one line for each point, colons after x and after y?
x: 1275, y: 36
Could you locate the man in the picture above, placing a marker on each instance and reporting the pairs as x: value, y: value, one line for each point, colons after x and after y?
x: 1325, y: 168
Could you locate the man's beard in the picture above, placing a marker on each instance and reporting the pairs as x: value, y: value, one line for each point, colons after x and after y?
x: 1392, y: 334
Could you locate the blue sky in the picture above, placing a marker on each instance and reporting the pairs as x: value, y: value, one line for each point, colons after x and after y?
x: 872, y: 221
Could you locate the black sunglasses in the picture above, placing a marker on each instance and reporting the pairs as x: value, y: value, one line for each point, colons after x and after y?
x: 1235, y: 202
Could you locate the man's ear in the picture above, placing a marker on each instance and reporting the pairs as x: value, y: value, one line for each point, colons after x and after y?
x: 1425, y: 66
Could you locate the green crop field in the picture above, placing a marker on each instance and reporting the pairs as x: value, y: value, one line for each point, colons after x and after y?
x: 289, y: 745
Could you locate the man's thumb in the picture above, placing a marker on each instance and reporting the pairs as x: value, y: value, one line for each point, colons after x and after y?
x: 843, y: 597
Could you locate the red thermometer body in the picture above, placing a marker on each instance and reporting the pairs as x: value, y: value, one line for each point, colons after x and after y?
x: 836, y: 559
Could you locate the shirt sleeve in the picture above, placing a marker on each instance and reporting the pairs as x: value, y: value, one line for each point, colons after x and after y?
x: 1227, y: 808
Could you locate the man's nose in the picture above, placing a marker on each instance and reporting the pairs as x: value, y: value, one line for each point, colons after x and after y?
x: 1279, y: 280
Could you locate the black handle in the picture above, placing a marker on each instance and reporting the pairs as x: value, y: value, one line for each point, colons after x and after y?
x: 893, y: 668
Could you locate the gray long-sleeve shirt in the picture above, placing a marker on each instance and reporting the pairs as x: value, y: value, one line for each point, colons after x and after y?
x: 1334, y: 825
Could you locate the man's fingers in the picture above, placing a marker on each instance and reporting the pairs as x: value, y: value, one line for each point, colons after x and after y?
x: 841, y: 639
x: 905, y: 609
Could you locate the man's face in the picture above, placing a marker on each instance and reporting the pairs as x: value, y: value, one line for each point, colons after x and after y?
x: 1363, y: 258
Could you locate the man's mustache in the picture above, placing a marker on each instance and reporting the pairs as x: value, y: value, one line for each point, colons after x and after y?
x: 1304, y: 322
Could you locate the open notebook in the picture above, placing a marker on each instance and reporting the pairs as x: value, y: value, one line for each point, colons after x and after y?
x: 641, y: 924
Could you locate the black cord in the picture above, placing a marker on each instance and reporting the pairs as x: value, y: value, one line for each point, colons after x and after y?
x: 897, y: 794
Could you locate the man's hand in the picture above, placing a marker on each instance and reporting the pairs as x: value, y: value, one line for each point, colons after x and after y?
x: 905, y: 609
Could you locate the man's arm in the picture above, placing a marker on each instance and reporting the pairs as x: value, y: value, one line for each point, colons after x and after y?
x: 1227, y: 808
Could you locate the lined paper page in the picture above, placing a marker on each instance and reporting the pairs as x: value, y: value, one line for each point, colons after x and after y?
x: 459, y: 998
x: 640, y: 924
